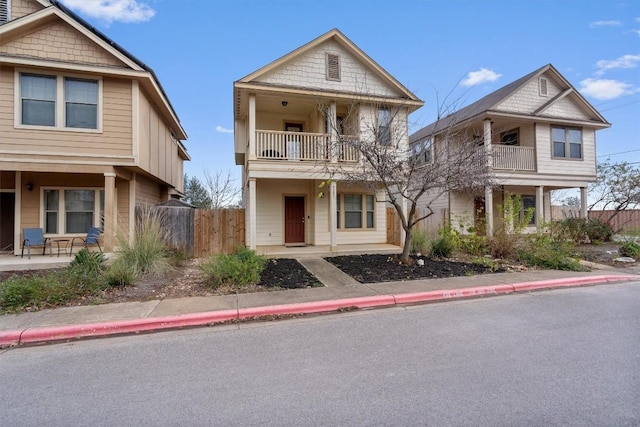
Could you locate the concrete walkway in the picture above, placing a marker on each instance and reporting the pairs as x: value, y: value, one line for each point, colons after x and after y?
x: 340, y: 292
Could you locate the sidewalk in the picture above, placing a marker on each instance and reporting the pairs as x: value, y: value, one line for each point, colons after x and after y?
x: 341, y: 292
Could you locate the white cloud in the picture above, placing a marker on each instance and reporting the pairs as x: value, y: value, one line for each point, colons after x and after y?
x: 223, y: 130
x: 625, y: 61
x: 481, y: 76
x: 113, y: 10
x: 603, y: 89
x: 605, y: 24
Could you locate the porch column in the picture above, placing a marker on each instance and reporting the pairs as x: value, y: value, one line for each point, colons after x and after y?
x: 16, y: 219
x: 333, y: 216
x: 488, y: 209
x: 487, y: 142
x: 252, y: 126
x: 547, y: 205
x: 251, y: 226
x: 109, y: 214
x: 332, y: 131
x: 584, y: 214
x: 539, y: 212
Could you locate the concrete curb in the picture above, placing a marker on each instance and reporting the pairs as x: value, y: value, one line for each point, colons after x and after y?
x: 67, y: 332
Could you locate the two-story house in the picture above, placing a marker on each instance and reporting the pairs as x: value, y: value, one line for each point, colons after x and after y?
x: 293, y: 121
x: 539, y: 134
x: 86, y: 130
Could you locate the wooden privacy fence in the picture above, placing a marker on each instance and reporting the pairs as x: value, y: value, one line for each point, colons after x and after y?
x: 218, y: 231
x: 176, y: 224
x: 623, y: 220
x: 393, y: 227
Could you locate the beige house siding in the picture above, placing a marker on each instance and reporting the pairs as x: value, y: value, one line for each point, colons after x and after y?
x: 113, y: 141
x: 59, y: 41
x: 308, y: 71
x: 566, y: 109
x: 20, y: 8
x: 528, y: 98
x: 147, y: 191
x: 547, y: 164
x: 122, y: 206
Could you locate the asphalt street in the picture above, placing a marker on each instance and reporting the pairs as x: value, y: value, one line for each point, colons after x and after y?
x: 561, y: 357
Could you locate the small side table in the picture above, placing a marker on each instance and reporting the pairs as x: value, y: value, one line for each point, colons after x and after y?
x: 64, y: 248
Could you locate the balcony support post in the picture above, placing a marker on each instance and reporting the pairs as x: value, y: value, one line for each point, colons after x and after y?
x: 251, y: 212
x: 333, y: 216
x: 584, y: 214
x: 332, y: 131
x: 487, y: 141
x: 539, y: 212
x: 252, y: 126
x: 488, y: 209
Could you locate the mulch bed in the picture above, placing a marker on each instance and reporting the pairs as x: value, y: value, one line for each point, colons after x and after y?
x: 385, y: 268
x: 287, y: 273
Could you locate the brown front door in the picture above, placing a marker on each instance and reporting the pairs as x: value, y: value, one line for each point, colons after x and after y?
x: 293, y: 220
x: 7, y: 215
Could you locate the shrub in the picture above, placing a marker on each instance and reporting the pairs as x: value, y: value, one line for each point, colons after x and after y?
x: 503, y: 244
x: 119, y: 274
x: 471, y: 244
x: 572, y: 229
x: 597, y: 230
x: 420, y: 242
x: 442, y: 246
x: 542, y: 251
x: 237, y: 269
x: 88, y: 263
x: 630, y: 249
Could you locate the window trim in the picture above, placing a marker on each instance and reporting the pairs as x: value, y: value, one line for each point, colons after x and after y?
x: 60, y: 102
x: 341, y: 224
x: 98, y: 213
x: 567, y: 144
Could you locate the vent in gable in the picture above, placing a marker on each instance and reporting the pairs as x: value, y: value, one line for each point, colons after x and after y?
x: 4, y: 11
x: 544, y: 91
x: 333, y: 67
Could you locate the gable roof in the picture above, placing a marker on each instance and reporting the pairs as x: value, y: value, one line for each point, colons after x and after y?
x: 350, y: 47
x: 56, y: 8
x: 489, y: 103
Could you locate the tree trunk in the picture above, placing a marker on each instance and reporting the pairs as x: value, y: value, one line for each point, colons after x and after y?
x: 406, y: 249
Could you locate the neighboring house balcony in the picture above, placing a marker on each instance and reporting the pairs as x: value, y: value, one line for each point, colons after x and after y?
x: 304, y: 147
x: 512, y: 157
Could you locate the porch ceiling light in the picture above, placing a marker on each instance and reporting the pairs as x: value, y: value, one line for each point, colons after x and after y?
x: 29, y: 186
x: 285, y: 103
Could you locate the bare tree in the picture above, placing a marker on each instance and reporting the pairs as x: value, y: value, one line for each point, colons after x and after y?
x: 449, y: 159
x: 617, y: 187
x: 222, y: 188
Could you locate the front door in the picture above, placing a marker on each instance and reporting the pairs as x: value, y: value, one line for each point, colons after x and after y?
x: 7, y: 216
x: 293, y: 220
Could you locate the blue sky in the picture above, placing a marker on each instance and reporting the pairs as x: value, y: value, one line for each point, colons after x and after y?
x: 198, y: 48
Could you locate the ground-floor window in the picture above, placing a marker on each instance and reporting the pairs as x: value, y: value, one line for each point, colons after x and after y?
x: 528, y: 205
x: 72, y: 210
x: 356, y: 211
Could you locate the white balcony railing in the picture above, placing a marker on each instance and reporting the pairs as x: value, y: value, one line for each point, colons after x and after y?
x: 512, y: 157
x: 301, y: 146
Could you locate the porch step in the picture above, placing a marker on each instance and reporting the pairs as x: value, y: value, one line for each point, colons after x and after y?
x: 327, y: 273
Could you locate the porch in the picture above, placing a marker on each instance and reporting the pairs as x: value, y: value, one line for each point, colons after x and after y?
x: 513, y: 157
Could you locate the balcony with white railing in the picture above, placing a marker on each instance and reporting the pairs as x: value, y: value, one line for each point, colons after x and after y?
x: 302, y: 146
x: 513, y: 157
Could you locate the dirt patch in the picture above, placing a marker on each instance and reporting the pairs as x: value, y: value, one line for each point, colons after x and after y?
x: 604, y: 253
x: 384, y: 268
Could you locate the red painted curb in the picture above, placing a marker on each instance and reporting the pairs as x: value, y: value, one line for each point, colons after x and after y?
x: 453, y: 294
x: 575, y: 281
x: 38, y: 335
x: 317, y: 306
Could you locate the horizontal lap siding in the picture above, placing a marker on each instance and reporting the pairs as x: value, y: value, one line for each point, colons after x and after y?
x: 122, y: 202
x: 114, y: 140
x: 147, y: 191
x: 564, y: 167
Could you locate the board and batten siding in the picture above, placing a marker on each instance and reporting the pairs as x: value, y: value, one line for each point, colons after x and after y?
x: 157, y: 149
x: 309, y: 71
x: 547, y: 164
x: 114, y: 140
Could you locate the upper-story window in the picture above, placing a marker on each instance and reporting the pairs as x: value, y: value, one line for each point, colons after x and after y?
x: 422, y: 151
x: 384, y: 126
x: 59, y: 102
x: 567, y: 142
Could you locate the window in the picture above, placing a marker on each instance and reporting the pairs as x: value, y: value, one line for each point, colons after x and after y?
x: 567, y: 143
x: 38, y: 95
x: 384, y: 126
x: 60, y: 102
x: 333, y: 67
x: 356, y: 211
x: 510, y: 137
x: 528, y: 202
x: 421, y: 151
x: 72, y: 210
